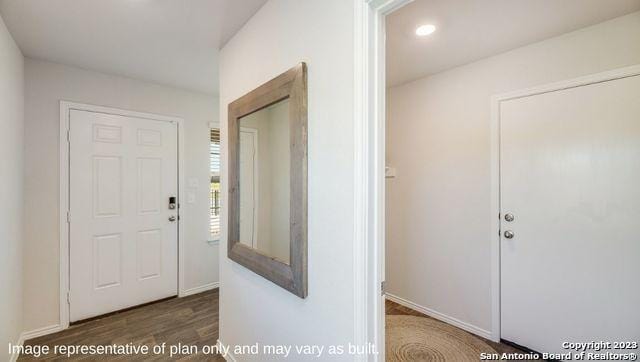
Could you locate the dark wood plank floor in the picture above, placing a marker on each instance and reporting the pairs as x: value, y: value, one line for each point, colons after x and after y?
x: 392, y: 308
x: 191, y: 320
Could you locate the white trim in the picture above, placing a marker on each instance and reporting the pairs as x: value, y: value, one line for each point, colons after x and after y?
x: 41, y: 332
x: 25, y: 336
x: 182, y: 200
x: 19, y: 343
x: 441, y: 316
x: 256, y: 183
x: 614, y: 74
x: 363, y: 302
x: 606, y: 76
x: 369, y: 156
x: 494, y: 227
x: 229, y: 356
x: 65, y: 108
x: 64, y: 207
x: 200, y: 289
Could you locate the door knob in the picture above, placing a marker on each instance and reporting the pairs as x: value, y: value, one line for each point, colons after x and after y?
x: 509, y: 217
x: 172, y: 218
x: 509, y: 234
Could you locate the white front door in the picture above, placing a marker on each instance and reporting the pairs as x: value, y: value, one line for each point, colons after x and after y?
x: 570, y: 176
x: 123, y: 245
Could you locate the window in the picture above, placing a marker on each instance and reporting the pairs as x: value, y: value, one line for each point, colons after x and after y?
x: 214, y: 170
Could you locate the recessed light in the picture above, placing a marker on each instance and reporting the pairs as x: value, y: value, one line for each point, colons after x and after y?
x: 424, y: 30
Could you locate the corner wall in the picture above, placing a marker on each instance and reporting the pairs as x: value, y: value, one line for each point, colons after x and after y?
x: 252, y: 309
x: 11, y: 189
x: 438, y: 138
x: 45, y: 85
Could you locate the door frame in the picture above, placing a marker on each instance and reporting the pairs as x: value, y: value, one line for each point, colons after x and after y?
x: 65, y: 108
x: 496, y: 100
x: 256, y: 184
x: 369, y: 181
x: 369, y: 162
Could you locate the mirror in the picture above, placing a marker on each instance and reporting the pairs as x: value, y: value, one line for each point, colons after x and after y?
x: 267, y: 180
x: 264, y: 181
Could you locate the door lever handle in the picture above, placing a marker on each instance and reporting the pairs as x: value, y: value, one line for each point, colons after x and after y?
x: 172, y: 218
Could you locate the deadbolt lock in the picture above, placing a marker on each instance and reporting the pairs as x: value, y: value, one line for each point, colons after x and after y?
x: 509, y: 217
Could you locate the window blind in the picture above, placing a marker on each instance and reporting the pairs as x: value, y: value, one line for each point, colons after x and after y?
x: 214, y: 170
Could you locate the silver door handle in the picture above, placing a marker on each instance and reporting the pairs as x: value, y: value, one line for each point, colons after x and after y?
x: 172, y: 218
x: 509, y: 234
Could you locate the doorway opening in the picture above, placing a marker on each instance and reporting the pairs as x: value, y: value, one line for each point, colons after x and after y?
x: 484, y: 160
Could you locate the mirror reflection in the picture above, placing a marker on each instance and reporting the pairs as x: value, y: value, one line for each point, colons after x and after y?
x: 264, y: 181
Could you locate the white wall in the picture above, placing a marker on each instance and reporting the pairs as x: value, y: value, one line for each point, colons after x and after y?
x: 282, y: 34
x: 438, y: 138
x: 45, y: 85
x: 11, y: 189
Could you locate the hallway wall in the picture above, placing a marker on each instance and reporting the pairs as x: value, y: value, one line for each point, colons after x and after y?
x: 11, y: 189
x: 282, y: 34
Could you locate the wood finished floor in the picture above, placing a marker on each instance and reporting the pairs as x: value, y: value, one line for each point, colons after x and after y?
x: 190, y: 320
x: 392, y: 308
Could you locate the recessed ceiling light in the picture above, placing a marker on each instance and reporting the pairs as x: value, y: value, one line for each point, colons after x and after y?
x: 424, y: 30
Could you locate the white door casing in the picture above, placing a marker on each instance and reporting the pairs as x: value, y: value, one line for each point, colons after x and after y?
x: 369, y: 167
x: 249, y: 186
x: 569, y: 170
x: 123, y: 249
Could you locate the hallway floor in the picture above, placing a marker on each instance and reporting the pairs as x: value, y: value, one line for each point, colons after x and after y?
x: 453, y: 338
x: 191, y: 320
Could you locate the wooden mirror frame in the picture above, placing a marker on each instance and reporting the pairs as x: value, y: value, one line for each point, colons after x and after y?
x: 291, y: 85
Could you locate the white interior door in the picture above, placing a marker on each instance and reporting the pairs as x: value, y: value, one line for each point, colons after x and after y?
x: 570, y: 176
x: 123, y: 247
x: 248, y: 186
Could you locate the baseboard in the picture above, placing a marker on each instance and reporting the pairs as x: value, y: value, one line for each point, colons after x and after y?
x: 41, y: 332
x: 14, y: 357
x: 229, y: 356
x: 25, y: 336
x: 440, y: 316
x: 200, y: 289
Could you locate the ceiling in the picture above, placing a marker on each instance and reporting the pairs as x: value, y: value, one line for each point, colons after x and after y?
x: 469, y: 30
x: 164, y: 41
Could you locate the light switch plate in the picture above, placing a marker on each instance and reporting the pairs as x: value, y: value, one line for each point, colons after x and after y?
x: 191, y: 197
x: 194, y: 183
